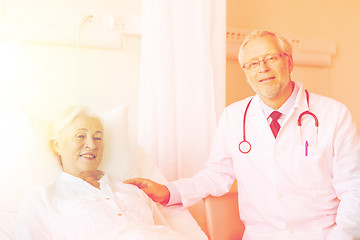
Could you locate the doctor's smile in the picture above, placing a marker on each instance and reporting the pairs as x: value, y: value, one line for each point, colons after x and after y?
x: 267, y: 79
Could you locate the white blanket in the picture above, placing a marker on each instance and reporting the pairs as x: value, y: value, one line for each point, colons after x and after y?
x: 135, y: 231
x: 71, y: 208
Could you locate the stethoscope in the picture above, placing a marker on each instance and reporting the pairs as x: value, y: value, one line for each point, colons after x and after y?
x: 245, y: 146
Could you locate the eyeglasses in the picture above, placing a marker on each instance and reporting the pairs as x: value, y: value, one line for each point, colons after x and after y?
x: 268, y: 60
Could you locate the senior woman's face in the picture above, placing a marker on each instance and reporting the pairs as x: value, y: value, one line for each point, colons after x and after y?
x: 81, y: 146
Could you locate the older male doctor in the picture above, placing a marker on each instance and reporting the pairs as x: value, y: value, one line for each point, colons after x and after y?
x: 295, y: 155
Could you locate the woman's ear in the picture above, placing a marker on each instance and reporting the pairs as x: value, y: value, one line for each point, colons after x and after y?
x: 56, y: 145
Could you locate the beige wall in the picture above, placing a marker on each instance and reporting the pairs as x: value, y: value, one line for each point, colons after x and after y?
x: 336, y: 20
x: 43, y: 78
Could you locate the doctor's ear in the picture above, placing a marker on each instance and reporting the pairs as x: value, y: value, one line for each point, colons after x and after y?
x: 291, y: 63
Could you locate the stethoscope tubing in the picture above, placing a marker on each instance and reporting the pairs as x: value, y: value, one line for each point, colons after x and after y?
x: 245, y: 146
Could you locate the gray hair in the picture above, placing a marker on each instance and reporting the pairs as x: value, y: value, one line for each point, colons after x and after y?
x: 283, y: 43
x: 62, y: 120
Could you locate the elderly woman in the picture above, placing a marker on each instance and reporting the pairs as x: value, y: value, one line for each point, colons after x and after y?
x: 83, y: 203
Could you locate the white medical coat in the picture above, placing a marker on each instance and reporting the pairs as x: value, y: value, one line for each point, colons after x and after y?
x: 282, y: 193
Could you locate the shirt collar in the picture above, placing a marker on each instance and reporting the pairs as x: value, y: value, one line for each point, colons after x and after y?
x: 301, y: 101
x: 68, y: 177
x: 285, y: 108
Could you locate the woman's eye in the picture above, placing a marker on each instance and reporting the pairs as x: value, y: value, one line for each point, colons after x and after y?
x: 98, y: 138
x: 80, y: 136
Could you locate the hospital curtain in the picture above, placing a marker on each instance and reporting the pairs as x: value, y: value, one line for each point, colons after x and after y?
x: 182, y: 82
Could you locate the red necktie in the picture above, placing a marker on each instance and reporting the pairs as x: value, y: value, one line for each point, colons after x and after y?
x: 274, y: 125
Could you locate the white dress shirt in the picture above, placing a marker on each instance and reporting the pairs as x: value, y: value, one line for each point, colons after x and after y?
x: 71, y: 208
x: 284, y: 109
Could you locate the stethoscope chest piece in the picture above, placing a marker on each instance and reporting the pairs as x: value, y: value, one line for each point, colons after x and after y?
x: 244, y: 146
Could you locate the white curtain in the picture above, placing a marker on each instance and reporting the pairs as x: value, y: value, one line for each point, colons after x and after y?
x: 182, y: 86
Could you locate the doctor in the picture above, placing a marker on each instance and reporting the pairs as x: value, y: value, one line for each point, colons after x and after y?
x: 297, y: 170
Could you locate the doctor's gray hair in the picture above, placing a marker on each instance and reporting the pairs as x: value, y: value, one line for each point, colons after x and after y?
x: 62, y: 120
x: 283, y: 43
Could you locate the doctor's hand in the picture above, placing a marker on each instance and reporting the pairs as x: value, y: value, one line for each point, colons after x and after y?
x: 157, y: 192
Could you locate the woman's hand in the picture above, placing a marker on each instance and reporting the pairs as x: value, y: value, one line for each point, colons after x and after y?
x: 157, y: 192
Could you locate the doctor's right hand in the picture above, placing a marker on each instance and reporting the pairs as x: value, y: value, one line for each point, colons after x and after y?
x: 157, y: 192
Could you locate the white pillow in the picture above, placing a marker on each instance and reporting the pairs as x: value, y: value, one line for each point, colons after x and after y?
x: 19, y: 156
x: 27, y: 161
x: 117, y: 159
x: 17, y: 149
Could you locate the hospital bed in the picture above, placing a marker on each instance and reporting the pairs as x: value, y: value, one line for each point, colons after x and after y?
x: 31, y: 165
